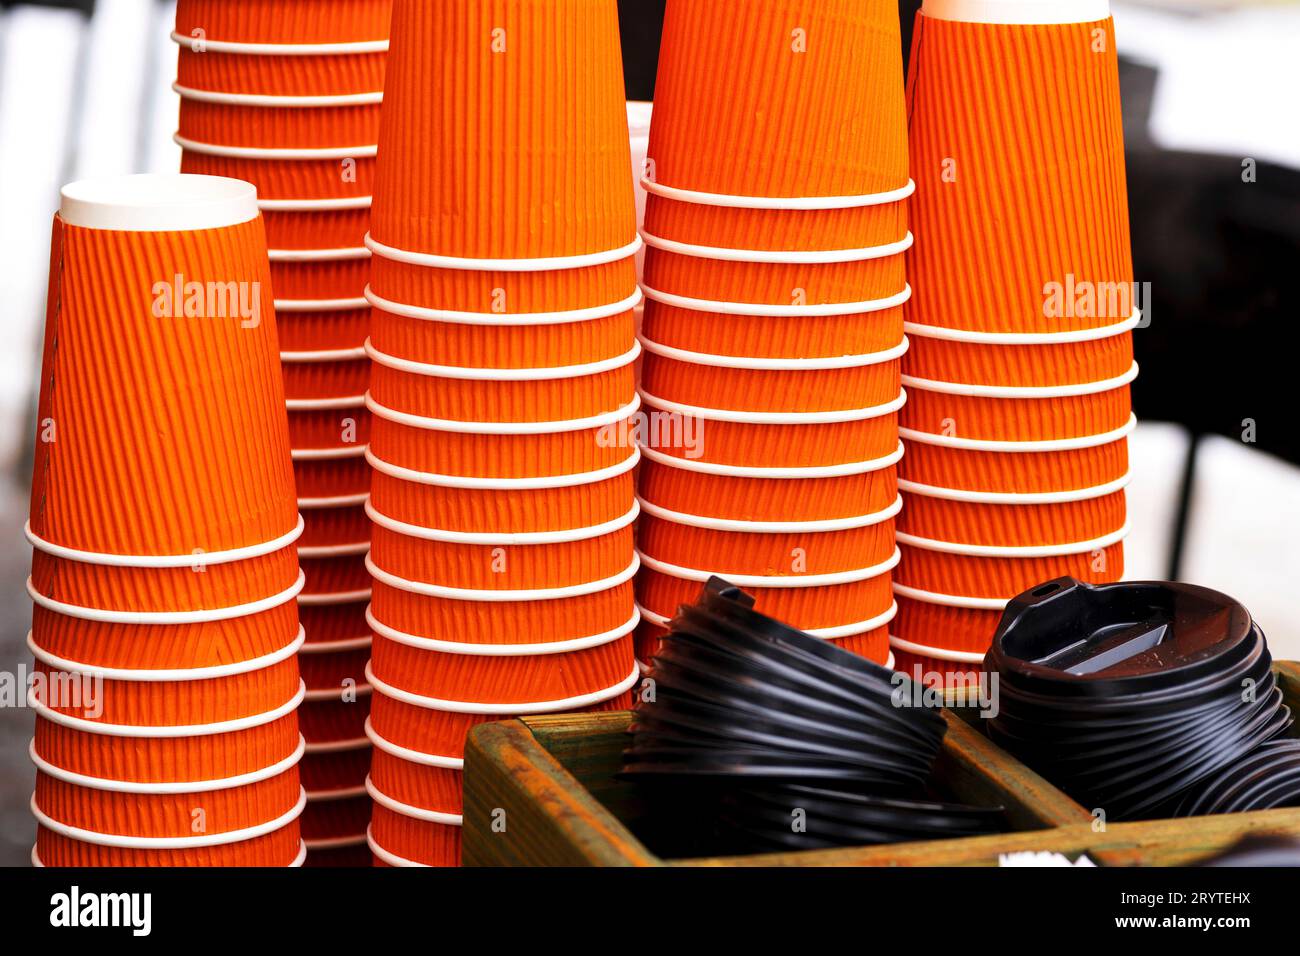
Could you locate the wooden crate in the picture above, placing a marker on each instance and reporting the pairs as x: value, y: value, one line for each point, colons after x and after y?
x: 543, y: 791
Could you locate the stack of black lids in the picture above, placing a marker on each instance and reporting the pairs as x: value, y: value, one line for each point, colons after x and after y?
x: 1143, y: 700
x: 765, y: 738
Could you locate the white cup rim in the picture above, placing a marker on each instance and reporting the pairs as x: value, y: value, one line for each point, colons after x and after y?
x: 167, y: 675
x: 107, y: 616
x: 273, y: 101
x: 157, y: 202
x: 502, y: 428
x: 368, y: 151
x: 742, y: 417
x: 412, y: 756
x: 485, y: 595
x: 279, y: 49
x: 1023, y: 338
x: 334, y: 550
x: 531, y: 538
x: 1019, y: 12
x: 330, y: 598
x: 747, y: 471
x: 321, y: 305
x: 1018, y: 392
x: 315, y: 205
x: 166, y: 787
x: 490, y: 710
x: 336, y: 647
x: 334, y: 254
x: 328, y: 454
x: 337, y: 746
x: 1015, y: 551
x: 324, y: 404
x: 324, y: 844
x: 406, y: 810
x: 950, y: 600
x: 323, y: 356
x: 814, y: 526
x: 938, y: 653
x: 1015, y: 497
x: 194, y: 559
x: 388, y: 856
x: 511, y: 319
x: 777, y: 311
x: 502, y: 650
x: 1017, y: 447
x: 336, y: 501
x: 537, y: 264
x: 776, y: 202
x: 775, y: 364
x: 168, y: 843
x: 338, y: 693
x: 504, y: 484
x: 530, y: 374
x: 776, y: 581
x: 778, y: 256
x: 822, y: 633
x: 167, y: 730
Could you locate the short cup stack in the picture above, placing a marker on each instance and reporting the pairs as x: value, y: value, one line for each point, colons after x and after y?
x: 503, y: 283
x: 775, y: 229
x: 287, y: 96
x: 1021, y: 354
x: 163, y: 521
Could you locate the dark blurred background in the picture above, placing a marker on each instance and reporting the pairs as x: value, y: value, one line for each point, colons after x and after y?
x: 1207, y: 85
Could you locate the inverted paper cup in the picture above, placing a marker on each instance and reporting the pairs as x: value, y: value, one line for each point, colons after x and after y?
x: 499, y: 291
x: 443, y: 732
x: 342, y: 278
x: 326, y: 822
x: 334, y: 627
x: 271, y: 75
x: 999, y: 467
x: 776, y: 283
x: 115, y: 395
x: 662, y: 588
x: 500, y: 616
x: 502, y: 562
x: 338, y: 771
x: 170, y: 703
x: 316, y: 228
x: 336, y: 723
x: 739, y: 227
x: 510, y: 679
x: 498, y: 116
x: 767, y: 494
x: 507, y: 395
x: 418, y: 842
x: 748, y: 439
x: 332, y: 527
x: 992, y: 363
x: 338, y: 177
x: 331, y: 432
x: 331, y: 480
x: 1052, y: 154
x: 106, y: 810
x: 1014, y: 419
x: 489, y: 340
x: 270, y: 21
x: 937, y: 672
x: 198, y: 585
x: 693, y: 378
x: 974, y: 576
x: 422, y: 785
x: 282, y: 847
x: 501, y: 449
x: 503, y: 506
x: 327, y: 331
x: 275, y: 126
x: 948, y: 627
x: 732, y: 549
x: 333, y: 670
x: 168, y: 759
x: 336, y: 376
x: 820, y: 113
x: 1033, y: 523
x: 337, y: 579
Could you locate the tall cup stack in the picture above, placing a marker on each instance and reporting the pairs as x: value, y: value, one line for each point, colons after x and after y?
x: 775, y: 227
x: 1021, y: 349
x: 502, y: 338
x: 287, y: 96
x: 163, y: 524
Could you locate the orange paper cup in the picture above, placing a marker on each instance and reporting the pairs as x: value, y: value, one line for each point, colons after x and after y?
x: 983, y: 359
x: 328, y: 482
x: 336, y: 723
x: 223, y: 119
x: 339, y: 577
x: 946, y: 627
x: 767, y: 494
x: 1014, y: 468
x: 319, y: 74
x: 114, y: 394
x: 485, y: 506
x: 820, y: 112
x: 316, y: 228
x: 329, y: 433
x: 941, y: 673
x: 940, y: 514
x: 771, y: 336
x: 323, y: 278
x: 347, y: 175
x: 282, y: 847
x: 486, y: 340
x: 328, y: 331
x: 926, y: 569
x: 332, y: 527
x: 334, y: 670
x: 401, y: 840
x: 497, y: 117
x: 334, y: 375
x: 428, y: 781
x: 992, y: 175
x: 326, y: 823
x: 273, y: 21
x: 335, y: 772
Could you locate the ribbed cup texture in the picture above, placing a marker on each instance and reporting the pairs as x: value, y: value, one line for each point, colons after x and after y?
x: 275, y: 21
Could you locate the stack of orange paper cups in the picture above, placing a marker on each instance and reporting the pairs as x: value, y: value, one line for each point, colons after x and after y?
x: 774, y: 280
x: 287, y: 96
x: 1021, y: 358
x: 163, y: 522
x: 503, y: 283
